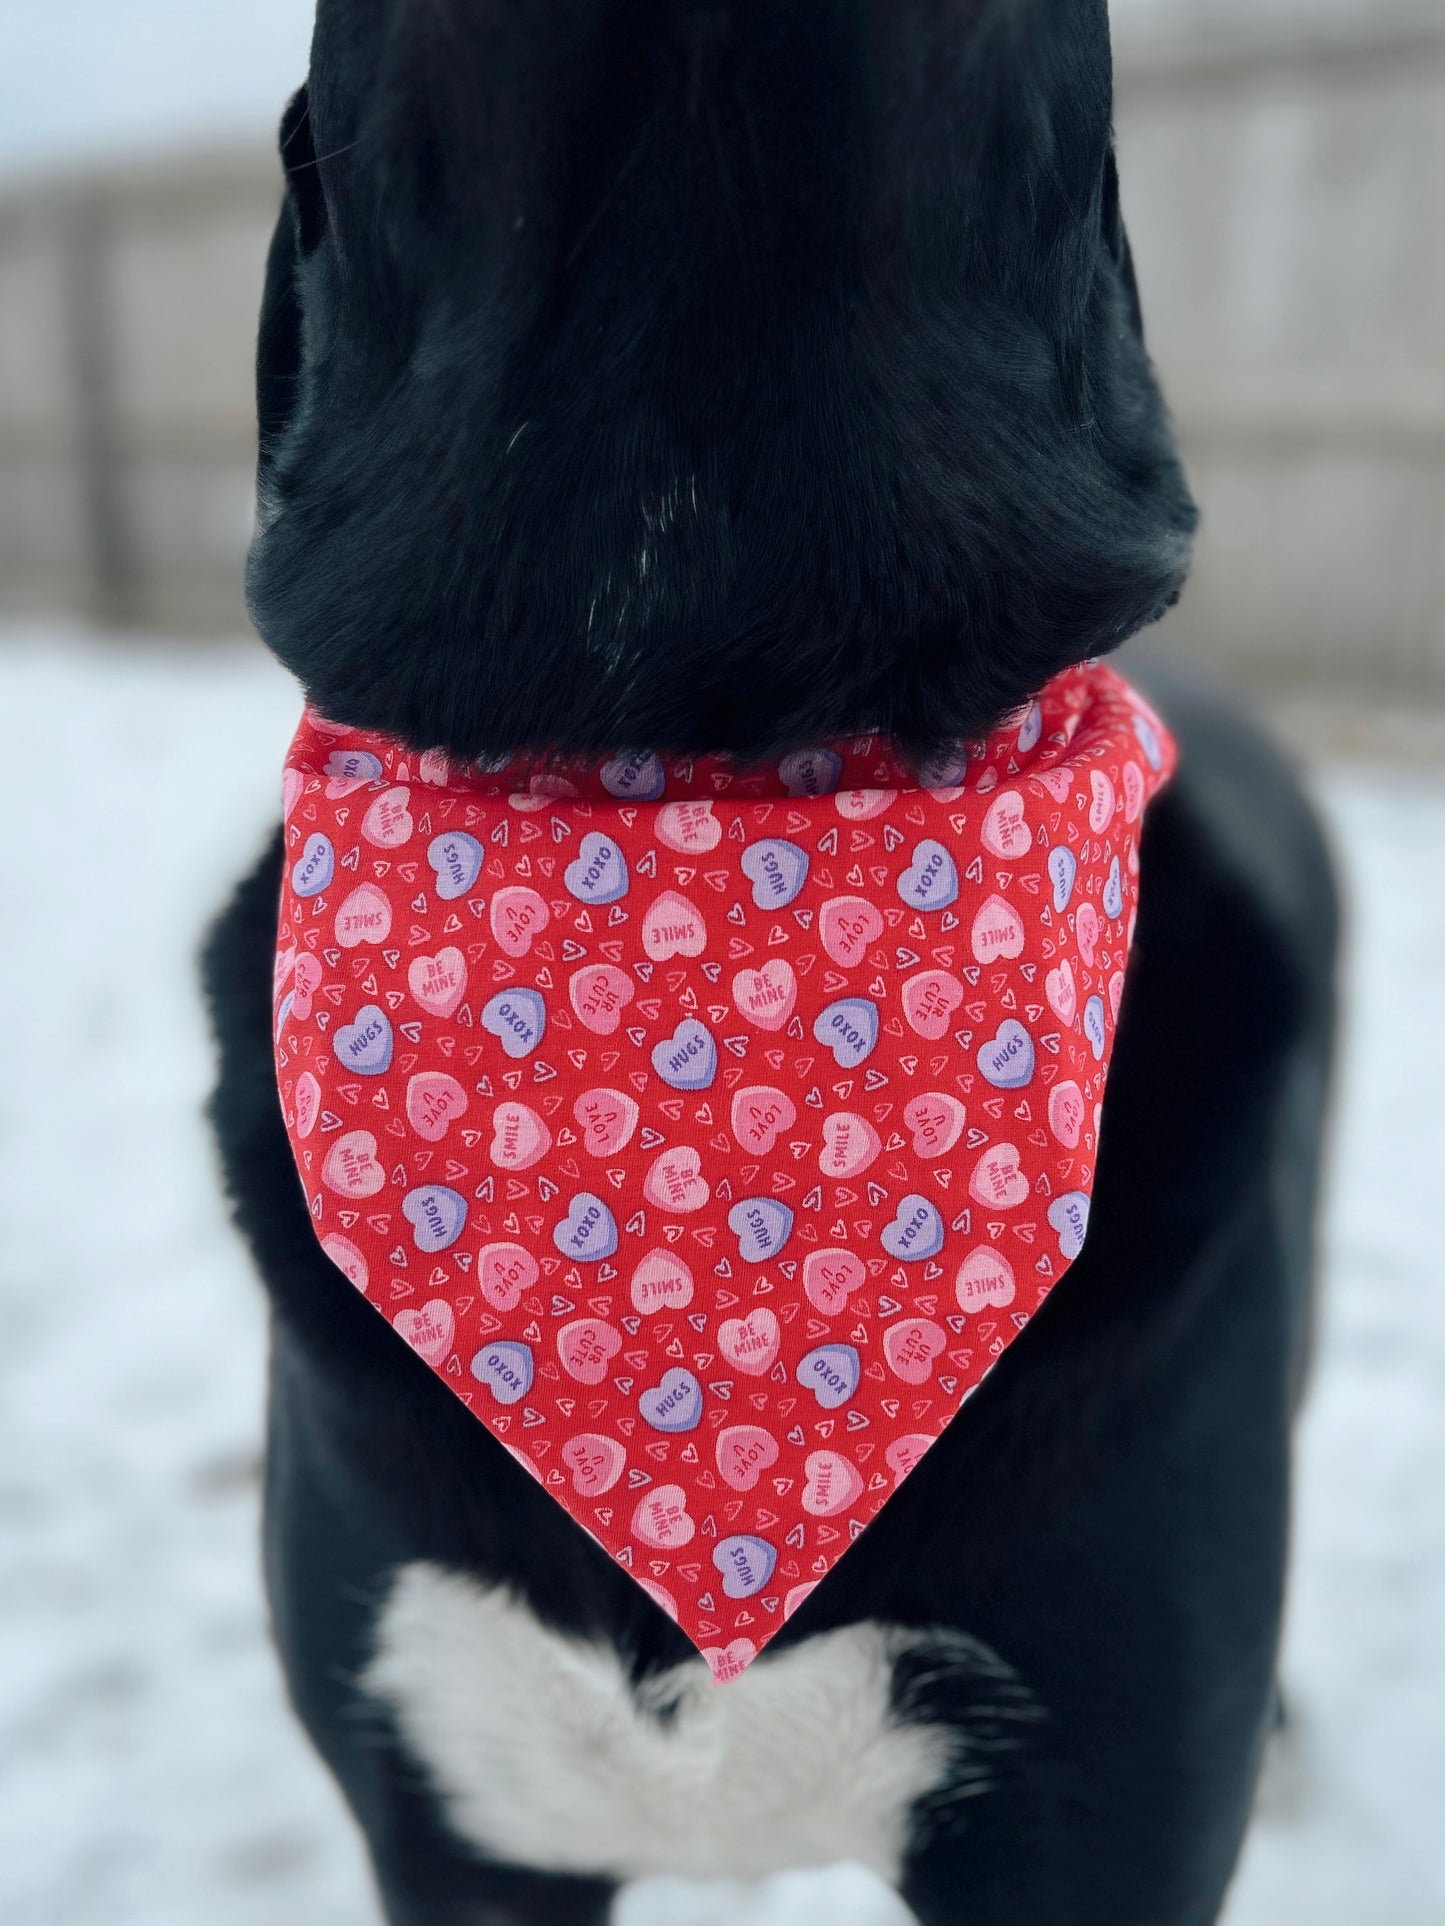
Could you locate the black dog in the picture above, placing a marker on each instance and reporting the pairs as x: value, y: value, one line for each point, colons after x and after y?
x: 727, y: 376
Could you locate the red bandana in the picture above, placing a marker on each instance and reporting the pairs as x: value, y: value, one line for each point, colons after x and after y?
x: 710, y: 1134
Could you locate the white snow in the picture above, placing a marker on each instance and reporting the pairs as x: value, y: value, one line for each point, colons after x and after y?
x: 149, y: 1771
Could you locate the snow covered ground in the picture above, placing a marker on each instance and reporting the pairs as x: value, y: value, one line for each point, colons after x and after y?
x: 149, y: 1771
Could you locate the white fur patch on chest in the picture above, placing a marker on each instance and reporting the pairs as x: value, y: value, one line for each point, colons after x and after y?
x: 544, y: 1755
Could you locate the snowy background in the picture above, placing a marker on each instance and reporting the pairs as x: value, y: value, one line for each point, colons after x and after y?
x: 150, y: 1774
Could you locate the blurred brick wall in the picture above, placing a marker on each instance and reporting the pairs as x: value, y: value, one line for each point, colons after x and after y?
x: 1284, y: 176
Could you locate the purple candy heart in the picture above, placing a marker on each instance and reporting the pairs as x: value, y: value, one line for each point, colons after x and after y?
x: 436, y: 1214
x: 850, y: 1030
x: 1094, y: 1025
x: 1114, y: 891
x: 364, y: 1047
x: 599, y: 875
x: 1148, y: 741
x: 688, y: 1058
x: 762, y: 1225
x: 588, y: 1232
x: 777, y: 871
x: 506, y: 1370
x: 811, y: 772
x: 930, y: 881
x: 1062, y: 871
x: 673, y: 1405
x: 353, y: 765
x: 746, y: 1564
x: 916, y: 1232
x: 831, y: 1373
x: 634, y: 778
x: 457, y: 860
x: 518, y: 1017
x: 1069, y: 1216
x: 1007, y: 1059
x: 314, y: 868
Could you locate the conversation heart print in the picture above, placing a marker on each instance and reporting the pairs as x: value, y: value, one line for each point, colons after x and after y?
x: 711, y: 1129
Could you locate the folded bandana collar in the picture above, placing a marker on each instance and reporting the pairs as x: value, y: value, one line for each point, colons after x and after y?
x: 710, y: 1133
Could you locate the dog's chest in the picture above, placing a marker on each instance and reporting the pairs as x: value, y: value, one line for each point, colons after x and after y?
x: 542, y: 1754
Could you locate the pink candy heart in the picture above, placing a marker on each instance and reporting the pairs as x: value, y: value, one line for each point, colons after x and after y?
x: 998, y: 930
x: 438, y: 982
x: 862, y: 805
x: 985, y: 1281
x: 850, y: 1144
x: 1066, y: 1113
x: 308, y: 1103
x: 661, y: 1282
x: 347, y: 1259
x: 607, y: 1119
x: 1060, y: 990
x: 308, y: 982
x: 750, y: 1343
x: 929, y: 1001
x: 351, y: 1167
x: 1086, y: 930
x: 937, y: 1122
x: 518, y: 916
x: 767, y: 996
x: 689, y: 827
x: 847, y: 925
x: 997, y: 1182
x: 428, y: 1331
x: 833, y: 1483
x: 1101, y: 806
x: 520, y: 1138
x: 587, y: 1347
x: 673, y: 927
x: 365, y: 917
x: 388, y: 823
x: 433, y: 1101
x: 1133, y: 791
x: 599, y: 995
x: 675, y: 1181
x: 1005, y: 829
x: 910, y: 1347
x: 595, y: 1462
x: 744, y: 1452
x: 759, y: 1114
x: 904, y: 1454
x: 729, y: 1662
x: 829, y: 1277
x: 661, y: 1518
x: 504, y: 1271
x: 1058, y: 782
x: 1116, y: 992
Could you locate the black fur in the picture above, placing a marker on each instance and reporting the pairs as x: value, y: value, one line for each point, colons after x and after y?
x: 698, y: 376
x: 856, y: 270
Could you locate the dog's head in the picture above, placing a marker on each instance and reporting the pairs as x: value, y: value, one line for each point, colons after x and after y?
x: 680, y: 374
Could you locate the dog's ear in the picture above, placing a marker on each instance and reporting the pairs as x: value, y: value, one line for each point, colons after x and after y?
x: 299, y: 230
